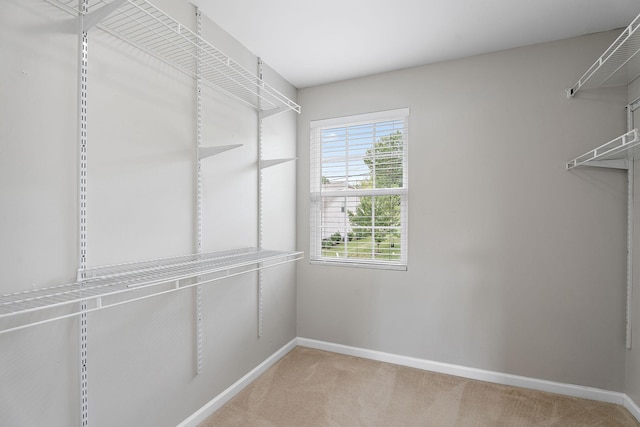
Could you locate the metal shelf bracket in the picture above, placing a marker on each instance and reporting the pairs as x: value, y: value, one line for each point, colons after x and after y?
x: 263, y: 114
x: 92, y: 19
x: 272, y: 162
x: 204, y: 152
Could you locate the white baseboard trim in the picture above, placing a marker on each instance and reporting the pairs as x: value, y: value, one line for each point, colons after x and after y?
x: 426, y: 365
x: 476, y: 374
x: 218, y: 401
x: 632, y: 407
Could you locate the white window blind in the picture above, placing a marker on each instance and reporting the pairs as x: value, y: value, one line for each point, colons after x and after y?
x: 359, y: 192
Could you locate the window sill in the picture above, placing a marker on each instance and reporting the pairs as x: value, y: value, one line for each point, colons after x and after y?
x: 359, y: 264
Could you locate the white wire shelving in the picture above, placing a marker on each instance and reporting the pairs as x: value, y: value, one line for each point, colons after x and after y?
x: 618, y: 65
x: 103, y: 287
x: 612, y: 154
x: 143, y: 25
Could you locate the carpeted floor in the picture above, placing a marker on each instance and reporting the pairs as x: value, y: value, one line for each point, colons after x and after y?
x: 316, y: 388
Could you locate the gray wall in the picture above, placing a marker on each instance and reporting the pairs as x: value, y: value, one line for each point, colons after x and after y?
x: 515, y: 264
x: 633, y: 355
x: 140, y: 206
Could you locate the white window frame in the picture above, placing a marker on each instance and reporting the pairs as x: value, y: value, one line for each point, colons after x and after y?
x: 318, y: 194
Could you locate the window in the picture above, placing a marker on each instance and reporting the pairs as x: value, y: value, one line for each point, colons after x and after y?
x: 359, y: 193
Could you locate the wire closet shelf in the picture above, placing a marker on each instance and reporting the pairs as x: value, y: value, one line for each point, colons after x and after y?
x: 618, y: 65
x: 146, y: 27
x: 109, y: 286
x: 610, y: 154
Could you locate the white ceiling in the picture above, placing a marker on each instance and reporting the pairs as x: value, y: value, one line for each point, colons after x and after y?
x: 310, y: 42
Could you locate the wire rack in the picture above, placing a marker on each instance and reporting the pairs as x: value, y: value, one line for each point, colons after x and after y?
x: 622, y: 148
x: 618, y: 65
x: 143, y: 25
x: 103, y: 287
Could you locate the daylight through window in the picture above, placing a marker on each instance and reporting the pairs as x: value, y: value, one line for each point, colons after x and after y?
x: 359, y: 193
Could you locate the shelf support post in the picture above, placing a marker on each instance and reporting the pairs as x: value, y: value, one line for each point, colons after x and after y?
x: 260, y: 201
x: 198, y: 94
x: 83, y: 65
x: 630, y: 220
x: 630, y: 210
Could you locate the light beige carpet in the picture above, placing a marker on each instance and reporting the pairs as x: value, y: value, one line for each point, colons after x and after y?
x: 317, y: 388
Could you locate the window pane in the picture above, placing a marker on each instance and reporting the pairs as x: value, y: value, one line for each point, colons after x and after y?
x: 365, y: 155
x: 353, y: 166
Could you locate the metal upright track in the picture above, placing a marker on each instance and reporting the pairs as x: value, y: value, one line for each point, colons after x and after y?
x: 263, y: 164
x: 198, y: 79
x: 630, y: 215
x: 633, y: 106
x: 83, y: 6
x: 260, y: 209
